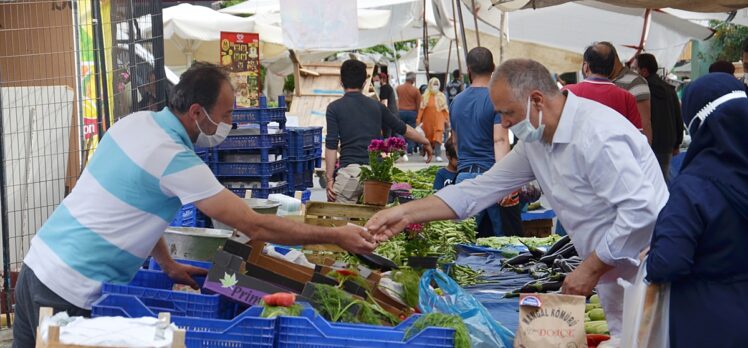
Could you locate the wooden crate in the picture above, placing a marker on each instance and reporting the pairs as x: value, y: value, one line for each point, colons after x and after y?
x: 336, y: 214
x: 53, y: 334
x: 537, y: 228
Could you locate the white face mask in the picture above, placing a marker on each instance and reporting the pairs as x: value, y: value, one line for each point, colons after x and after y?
x: 524, y: 129
x: 435, y: 88
x: 377, y: 84
x: 208, y: 140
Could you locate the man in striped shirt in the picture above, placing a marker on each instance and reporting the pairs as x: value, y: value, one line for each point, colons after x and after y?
x: 143, y: 171
x: 625, y: 78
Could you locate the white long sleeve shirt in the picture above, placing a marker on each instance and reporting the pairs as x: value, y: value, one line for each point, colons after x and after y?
x: 599, y: 175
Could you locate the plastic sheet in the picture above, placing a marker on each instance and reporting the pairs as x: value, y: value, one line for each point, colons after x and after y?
x: 484, y: 331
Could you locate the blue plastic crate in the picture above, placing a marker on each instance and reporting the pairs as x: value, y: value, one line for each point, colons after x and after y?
x: 255, y: 141
x: 300, y: 174
x: 189, y: 216
x: 204, y: 154
x: 259, y: 115
x: 301, y: 136
x: 154, y: 289
x: 260, y: 192
x: 153, y: 265
x: 249, y: 169
x: 246, y: 330
x: 312, y: 331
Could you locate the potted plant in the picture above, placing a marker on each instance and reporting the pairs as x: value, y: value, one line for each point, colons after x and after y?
x: 417, y: 247
x: 377, y: 177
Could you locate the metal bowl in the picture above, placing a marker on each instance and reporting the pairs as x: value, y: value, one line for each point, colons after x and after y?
x: 195, y: 243
x: 259, y: 205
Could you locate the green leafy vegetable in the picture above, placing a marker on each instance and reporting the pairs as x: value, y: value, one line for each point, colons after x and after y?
x: 462, y: 336
x: 274, y: 311
x: 410, y: 279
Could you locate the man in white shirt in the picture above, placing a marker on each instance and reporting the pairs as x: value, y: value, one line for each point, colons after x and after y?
x: 596, y: 170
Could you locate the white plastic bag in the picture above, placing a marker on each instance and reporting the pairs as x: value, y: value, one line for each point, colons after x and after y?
x: 646, y: 313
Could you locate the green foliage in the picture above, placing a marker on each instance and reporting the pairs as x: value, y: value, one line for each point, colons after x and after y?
x: 462, y: 335
x: 229, y: 3
x: 728, y: 39
x: 289, y: 84
x: 386, y: 50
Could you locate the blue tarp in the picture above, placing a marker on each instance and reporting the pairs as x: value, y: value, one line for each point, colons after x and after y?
x: 491, y: 294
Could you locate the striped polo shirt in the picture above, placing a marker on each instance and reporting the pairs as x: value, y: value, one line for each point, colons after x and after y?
x: 142, y: 172
x: 634, y: 83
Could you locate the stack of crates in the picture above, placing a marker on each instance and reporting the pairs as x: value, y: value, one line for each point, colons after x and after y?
x: 253, y: 156
x: 189, y: 215
x: 304, y: 155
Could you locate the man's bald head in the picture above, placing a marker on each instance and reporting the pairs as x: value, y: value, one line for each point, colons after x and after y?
x: 600, y: 59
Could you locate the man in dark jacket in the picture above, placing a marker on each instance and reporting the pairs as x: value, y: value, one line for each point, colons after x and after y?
x: 667, y: 124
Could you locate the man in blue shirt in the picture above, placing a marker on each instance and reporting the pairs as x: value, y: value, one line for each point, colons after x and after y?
x: 481, y: 140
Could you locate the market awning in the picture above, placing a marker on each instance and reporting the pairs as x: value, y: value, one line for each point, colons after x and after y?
x: 689, y: 5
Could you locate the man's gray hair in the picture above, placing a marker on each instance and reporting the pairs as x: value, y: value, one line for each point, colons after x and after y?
x: 524, y: 76
x: 411, y: 76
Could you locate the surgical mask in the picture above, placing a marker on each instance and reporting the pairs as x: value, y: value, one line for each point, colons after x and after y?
x: 207, y: 140
x: 377, y: 84
x: 434, y: 88
x: 524, y: 129
x: 710, y: 107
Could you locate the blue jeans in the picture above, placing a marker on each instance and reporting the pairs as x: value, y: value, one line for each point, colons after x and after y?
x: 409, y: 117
x: 493, y: 213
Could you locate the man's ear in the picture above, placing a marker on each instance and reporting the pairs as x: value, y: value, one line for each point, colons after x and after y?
x: 195, y: 111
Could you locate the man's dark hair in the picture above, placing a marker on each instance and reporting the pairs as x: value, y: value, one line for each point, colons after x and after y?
x: 480, y: 61
x: 745, y: 45
x: 600, y: 59
x: 200, y: 84
x: 647, y: 61
x: 456, y: 74
x: 449, y: 148
x: 722, y: 66
x: 353, y: 74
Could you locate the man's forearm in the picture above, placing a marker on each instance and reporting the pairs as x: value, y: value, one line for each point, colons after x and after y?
x: 412, y: 134
x: 431, y: 208
x: 161, y: 253
x: 331, y: 156
x: 278, y: 230
x: 645, y: 112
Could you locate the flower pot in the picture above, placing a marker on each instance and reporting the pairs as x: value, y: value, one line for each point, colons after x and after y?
x: 376, y: 192
x: 427, y: 262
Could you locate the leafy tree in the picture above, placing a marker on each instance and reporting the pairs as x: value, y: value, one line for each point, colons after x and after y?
x: 728, y: 39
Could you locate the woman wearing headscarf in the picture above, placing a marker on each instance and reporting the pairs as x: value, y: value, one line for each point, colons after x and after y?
x: 433, y: 115
x: 700, y: 241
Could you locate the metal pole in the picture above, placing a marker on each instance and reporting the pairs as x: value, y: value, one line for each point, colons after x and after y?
x: 425, y: 41
x: 457, y: 41
x: 475, y: 20
x: 100, y: 63
x: 502, y: 37
x: 132, y: 38
x: 159, y: 54
x: 449, y: 58
x: 4, y: 212
x: 462, y: 27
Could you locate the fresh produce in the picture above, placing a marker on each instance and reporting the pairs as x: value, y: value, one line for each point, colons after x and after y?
x: 597, y: 314
x: 436, y: 238
x: 501, y: 242
x: 595, y: 317
x: 593, y: 340
x: 466, y: 276
x: 409, y: 278
x: 344, y: 275
x: 284, y: 299
x: 596, y: 327
x: 420, y: 179
x: 549, y: 269
x: 462, y: 336
x: 276, y: 311
x: 337, y: 305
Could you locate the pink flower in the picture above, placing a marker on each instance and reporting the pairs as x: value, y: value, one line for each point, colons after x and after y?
x: 376, y: 145
x: 397, y: 144
x: 414, y: 227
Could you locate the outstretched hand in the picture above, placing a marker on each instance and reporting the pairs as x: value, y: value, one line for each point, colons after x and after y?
x: 182, y: 274
x: 355, y: 239
x: 387, y: 223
